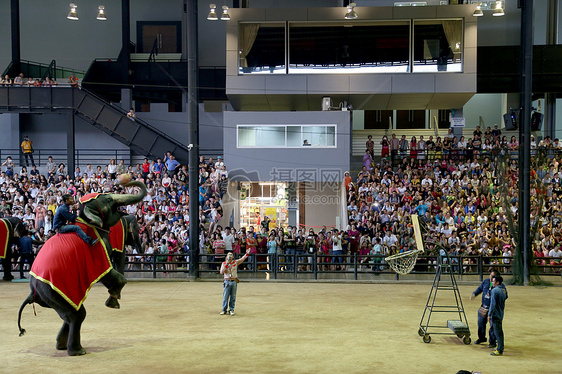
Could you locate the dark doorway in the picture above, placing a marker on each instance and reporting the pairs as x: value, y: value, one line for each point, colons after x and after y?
x: 166, y: 35
x: 444, y: 121
x: 378, y: 119
x: 410, y: 119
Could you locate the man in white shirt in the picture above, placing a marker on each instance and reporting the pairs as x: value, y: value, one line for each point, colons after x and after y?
x: 228, y: 240
x: 389, y: 239
x: 427, y: 181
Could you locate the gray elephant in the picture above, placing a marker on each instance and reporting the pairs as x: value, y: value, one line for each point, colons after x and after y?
x: 11, y: 228
x: 66, y: 268
x: 125, y: 232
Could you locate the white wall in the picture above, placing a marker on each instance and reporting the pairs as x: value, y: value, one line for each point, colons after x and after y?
x: 490, y: 107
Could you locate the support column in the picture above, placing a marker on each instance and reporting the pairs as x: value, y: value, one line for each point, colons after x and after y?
x: 526, y: 90
x: 125, y: 55
x: 193, y: 128
x: 16, y: 48
x: 126, y: 98
x: 550, y: 98
x: 71, y: 145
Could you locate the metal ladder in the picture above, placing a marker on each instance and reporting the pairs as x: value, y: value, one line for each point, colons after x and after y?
x: 459, y: 327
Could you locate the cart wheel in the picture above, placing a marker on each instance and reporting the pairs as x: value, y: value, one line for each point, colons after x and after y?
x: 420, y: 332
x: 466, y: 340
x: 460, y: 336
x: 427, y: 338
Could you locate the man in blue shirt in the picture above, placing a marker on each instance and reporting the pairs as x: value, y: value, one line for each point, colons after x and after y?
x: 485, y: 289
x: 64, y: 221
x: 25, y: 244
x: 497, y: 307
x: 172, y: 164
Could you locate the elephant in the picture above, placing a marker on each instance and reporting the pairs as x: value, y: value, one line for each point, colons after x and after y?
x: 66, y: 255
x: 11, y: 229
x: 125, y: 232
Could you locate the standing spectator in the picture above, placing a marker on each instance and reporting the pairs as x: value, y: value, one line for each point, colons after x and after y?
x: 413, y: 147
x: 495, y: 315
x: 121, y: 168
x: 145, y: 169
x: 6, y: 82
x: 229, y: 269
x: 172, y: 165
x: 112, y: 168
x: 27, y: 149
x: 219, y: 164
x: 385, y: 144
x: 9, y: 164
x: 51, y: 166
x: 26, y: 251
x: 219, y: 247
x: 370, y: 145
x: 394, y: 148
x: 228, y: 240
x: 18, y: 81
x: 367, y: 160
x: 403, y: 147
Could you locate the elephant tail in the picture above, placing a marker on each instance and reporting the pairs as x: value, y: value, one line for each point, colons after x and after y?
x: 28, y: 300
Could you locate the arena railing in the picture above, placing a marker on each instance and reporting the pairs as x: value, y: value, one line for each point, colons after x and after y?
x: 317, y: 266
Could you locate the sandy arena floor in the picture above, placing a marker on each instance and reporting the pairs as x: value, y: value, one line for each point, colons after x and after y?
x: 175, y: 327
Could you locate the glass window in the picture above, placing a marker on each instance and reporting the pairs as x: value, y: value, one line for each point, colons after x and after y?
x: 290, y: 136
x: 271, y: 136
x: 438, y: 46
x: 262, y: 48
x: 342, y: 47
x: 247, y: 136
x: 294, y: 138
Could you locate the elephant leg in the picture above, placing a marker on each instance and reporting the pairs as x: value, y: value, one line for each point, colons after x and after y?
x: 62, y: 337
x: 7, y: 266
x: 114, y: 281
x: 119, y: 261
x: 75, y: 324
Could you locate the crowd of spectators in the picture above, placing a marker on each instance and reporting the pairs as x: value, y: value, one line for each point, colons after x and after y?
x: 456, y: 193
x: 459, y: 190
x: 163, y: 215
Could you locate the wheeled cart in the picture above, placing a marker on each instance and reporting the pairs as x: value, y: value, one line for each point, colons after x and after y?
x: 458, y: 327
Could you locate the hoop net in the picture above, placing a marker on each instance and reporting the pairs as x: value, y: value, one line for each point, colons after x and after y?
x: 403, y: 263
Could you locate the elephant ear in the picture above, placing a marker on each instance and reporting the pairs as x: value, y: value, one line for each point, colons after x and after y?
x: 92, y: 216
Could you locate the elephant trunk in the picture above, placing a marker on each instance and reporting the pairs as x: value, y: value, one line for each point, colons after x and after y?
x: 129, y: 199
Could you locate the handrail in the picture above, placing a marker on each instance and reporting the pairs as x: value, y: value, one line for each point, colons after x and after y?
x: 146, y: 124
x: 315, y: 264
x: 153, y: 51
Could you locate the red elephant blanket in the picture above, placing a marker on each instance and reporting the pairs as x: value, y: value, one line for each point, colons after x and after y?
x: 70, y: 266
x: 117, y: 237
x: 4, y: 235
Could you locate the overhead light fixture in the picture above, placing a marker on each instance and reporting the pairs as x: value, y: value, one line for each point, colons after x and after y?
x: 101, y: 13
x: 225, y: 16
x: 498, y: 12
x: 72, y: 15
x: 478, y: 11
x: 213, y: 13
x: 351, y: 13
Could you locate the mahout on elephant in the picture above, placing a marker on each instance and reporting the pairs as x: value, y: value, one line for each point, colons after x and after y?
x: 66, y: 268
x: 11, y: 229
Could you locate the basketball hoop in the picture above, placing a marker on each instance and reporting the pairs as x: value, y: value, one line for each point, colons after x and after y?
x: 404, y: 262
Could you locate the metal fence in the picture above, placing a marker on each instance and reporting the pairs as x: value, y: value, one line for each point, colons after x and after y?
x: 300, y: 264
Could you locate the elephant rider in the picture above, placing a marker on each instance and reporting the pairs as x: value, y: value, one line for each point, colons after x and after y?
x: 64, y: 221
